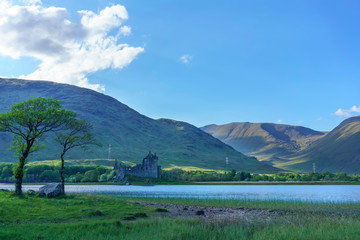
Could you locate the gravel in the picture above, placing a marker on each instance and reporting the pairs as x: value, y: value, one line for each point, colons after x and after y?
x: 211, y: 213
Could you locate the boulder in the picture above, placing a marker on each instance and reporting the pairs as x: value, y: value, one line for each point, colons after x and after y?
x: 51, y: 190
x: 31, y: 192
x: 200, y: 213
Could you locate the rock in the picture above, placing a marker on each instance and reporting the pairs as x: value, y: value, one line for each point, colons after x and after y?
x: 31, y: 192
x: 200, y: 213
x: 51, y: 190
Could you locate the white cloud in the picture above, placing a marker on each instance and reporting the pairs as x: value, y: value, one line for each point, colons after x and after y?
x: 68, y: 51
x: 279, y: 121
x: 347, y: 112
x: 341, y: 112
x: 355, y: 109
x: 125, y: 31
x: 30, y: 2
x: 186, y: 58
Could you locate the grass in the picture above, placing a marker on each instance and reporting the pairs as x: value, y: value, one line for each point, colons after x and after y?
x: 79, y: 162
x: 71, y: 208
x: 189, y: 168
x: 101, y: 217
x: 165, y: 229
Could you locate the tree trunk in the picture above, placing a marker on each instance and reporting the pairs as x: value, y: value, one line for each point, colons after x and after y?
x: 62, y: 175
x: 19, y: 174
x: 18, y: 186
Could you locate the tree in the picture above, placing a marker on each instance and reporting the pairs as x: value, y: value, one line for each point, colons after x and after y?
x: 6, y: 172
x: 91, y: 176
x: 49, y: 176
x: 29, y: 121
x: 77, y: 133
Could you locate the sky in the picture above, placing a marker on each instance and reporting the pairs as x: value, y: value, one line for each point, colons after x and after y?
x: 203, y: 62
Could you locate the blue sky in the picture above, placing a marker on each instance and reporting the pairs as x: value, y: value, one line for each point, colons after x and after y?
x: 203, y: 62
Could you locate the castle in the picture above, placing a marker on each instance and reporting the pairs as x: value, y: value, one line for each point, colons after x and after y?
x: 149, y: 168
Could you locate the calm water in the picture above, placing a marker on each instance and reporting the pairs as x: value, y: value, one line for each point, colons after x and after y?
x: 315, y: 193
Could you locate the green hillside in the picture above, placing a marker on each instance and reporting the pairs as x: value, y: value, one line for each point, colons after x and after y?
x: 267, y: 141
x: 338, y: 151
x: 130, y: 134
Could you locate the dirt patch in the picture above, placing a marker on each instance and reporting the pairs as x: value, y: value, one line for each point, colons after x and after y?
x: 211, y: 213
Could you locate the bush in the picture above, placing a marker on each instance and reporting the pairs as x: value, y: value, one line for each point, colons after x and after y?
x: 76, y: 177
x: 103, y: 178
x: 50, y: 176
x: 91, y: 176
x: 6, y: 172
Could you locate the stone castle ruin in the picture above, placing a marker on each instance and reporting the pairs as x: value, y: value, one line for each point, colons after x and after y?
x: 148, y: 169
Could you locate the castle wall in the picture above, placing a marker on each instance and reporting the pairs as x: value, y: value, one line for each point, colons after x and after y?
x: 148, y: 168
x: 151, y: 171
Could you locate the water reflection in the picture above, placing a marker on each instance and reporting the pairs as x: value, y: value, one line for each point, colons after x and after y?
x: 315, y: 193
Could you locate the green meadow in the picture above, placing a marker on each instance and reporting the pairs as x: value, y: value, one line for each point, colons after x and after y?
x: 104, y: 217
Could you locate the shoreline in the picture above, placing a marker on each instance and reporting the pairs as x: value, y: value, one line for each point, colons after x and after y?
x: 207, y: 213
x: 137, y: 183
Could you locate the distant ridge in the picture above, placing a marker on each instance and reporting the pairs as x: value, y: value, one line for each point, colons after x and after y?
x: 130, y: 133
x: 338, y: 151
x: 296, y: 148
x: 267, y: 141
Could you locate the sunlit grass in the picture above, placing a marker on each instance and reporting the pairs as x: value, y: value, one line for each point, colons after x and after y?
x: 101, y: 217
x: 79, y: 162
x: 189, y: 168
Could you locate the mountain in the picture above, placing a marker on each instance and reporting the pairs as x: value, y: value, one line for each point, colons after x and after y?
x: 130, y: 134
x: 338, y: 151
x: 296, y: 148
x: 267, y: 141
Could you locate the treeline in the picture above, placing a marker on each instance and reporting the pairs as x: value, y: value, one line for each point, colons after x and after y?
x: 45, y: 173
x: 177, y: 175
x: 78, y: 174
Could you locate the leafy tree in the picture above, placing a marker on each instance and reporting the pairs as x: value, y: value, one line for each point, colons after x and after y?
x: 6, y: 172
x: 49, y: 176
x: 77, y: 133
x: 103, y: 178
x: 91, y: 176
x: 76, y: 178
x: 233, y: 173
x: 241, y: 176
x: 29, y: 121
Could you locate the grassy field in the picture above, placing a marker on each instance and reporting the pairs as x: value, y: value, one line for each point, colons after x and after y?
x: 102, y: 217
x: 110, y: 163
x: 82, y: 162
